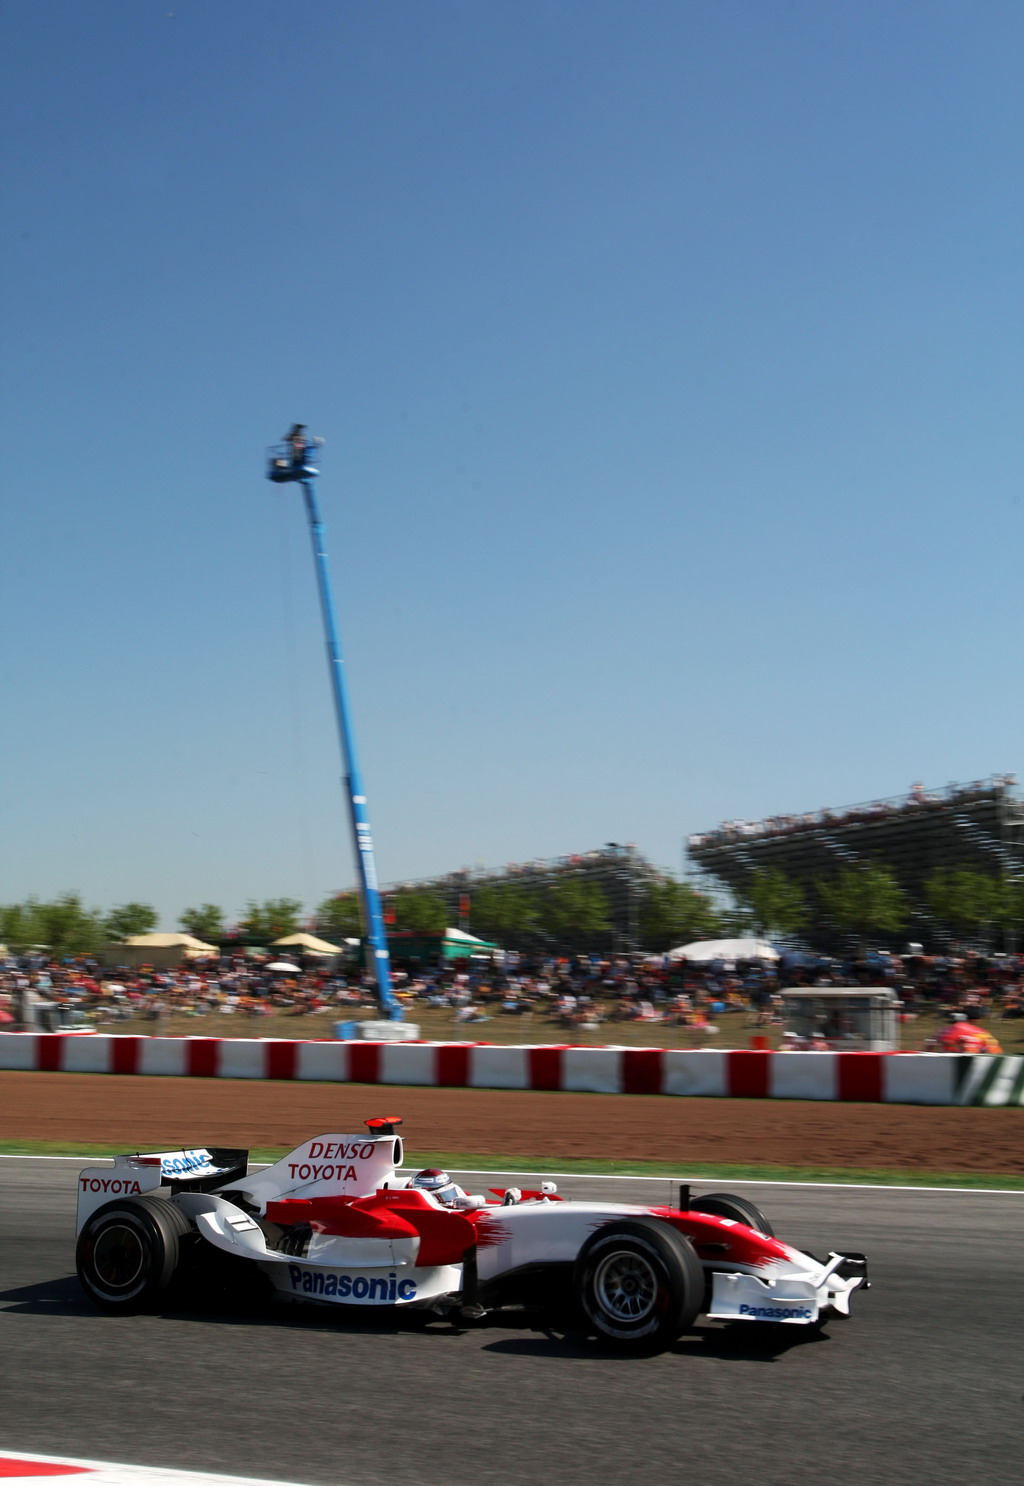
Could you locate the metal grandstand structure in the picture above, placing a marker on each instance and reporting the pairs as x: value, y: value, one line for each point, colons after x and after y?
x: 978, y: 825
x: 620, y: 871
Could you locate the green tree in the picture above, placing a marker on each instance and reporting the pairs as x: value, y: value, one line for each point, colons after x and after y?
x: 1011, y: 904
x: 17, y: 929
x: 420, y: 911
x: 340, y: 917
x: 775, y: 901
x: 971, y: 901
x: 674, y: 913
x: 504, y: 912
x: 68, y: 927
x: 865, y: 899
x: 128, y: 919
x: 64, y: 926
x: 270, y: 920
x: 205, y: 922
x: 574, y: 912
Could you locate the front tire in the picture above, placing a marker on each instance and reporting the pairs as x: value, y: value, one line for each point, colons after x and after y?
x: 728, y: 1205
x: 128, y: 1252
x: 639, y: 1284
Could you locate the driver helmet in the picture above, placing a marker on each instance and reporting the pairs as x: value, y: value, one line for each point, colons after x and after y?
x: 438, y: 1183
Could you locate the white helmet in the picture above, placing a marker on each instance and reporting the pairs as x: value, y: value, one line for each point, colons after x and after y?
x: 438, y: 1183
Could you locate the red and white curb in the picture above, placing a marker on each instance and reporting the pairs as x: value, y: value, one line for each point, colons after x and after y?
x: 873, y: 1078
x: 17, y: 1467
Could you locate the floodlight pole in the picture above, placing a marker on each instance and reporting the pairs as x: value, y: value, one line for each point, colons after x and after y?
x: 293, y: 463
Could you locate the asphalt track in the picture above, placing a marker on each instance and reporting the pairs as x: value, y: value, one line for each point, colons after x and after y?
x: 924, y: 1383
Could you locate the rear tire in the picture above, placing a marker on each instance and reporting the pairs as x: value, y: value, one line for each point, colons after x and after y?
x: 128, y: 1252
x: 639, y: 1284
x: 727, y: 1205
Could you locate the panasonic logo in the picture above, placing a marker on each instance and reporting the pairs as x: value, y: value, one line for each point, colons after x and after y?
x: 776, y: 1312
x: 377, y: 1289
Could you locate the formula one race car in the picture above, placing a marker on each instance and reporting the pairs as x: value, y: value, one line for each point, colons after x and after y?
x: 335, y: 1222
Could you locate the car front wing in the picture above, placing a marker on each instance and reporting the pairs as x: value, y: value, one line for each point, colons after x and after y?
x: 797, y: 1299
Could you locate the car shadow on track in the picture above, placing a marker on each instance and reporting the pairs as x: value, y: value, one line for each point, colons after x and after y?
x: 46, y: 1298
x: 764, y: 1342
x: 525, y: 1334
x: 745, y: 1341
x: 312, y: 1318
x: 65, y: 1296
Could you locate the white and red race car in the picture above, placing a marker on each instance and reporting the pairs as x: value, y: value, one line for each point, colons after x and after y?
x: 336, y: 1222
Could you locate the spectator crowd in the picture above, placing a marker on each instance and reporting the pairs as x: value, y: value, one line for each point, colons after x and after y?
x: 578, y: 992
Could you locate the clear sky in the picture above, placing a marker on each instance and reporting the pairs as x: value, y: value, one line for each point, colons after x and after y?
x: 669, y: 357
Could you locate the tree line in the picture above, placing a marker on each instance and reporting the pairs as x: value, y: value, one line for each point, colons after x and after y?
x: 867, y: 899
x: 861, y: 901
x: 65, y: 926
x: 576, y: 912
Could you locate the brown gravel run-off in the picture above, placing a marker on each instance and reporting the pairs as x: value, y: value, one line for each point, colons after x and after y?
x: 164, y: 1113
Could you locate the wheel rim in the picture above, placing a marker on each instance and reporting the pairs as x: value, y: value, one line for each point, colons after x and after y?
x: 118, y: 1257
x: 626, y: 1286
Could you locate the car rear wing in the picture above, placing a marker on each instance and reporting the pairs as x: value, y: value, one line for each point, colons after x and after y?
x: 200, y: 1170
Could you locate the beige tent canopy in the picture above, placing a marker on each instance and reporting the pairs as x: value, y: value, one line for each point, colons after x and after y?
x: 309, y: 943
x: 160, y: 950
x: 172, y: 941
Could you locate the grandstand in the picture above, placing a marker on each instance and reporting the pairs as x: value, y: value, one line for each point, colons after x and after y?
x: 620, y: 871
x: 979, y: 825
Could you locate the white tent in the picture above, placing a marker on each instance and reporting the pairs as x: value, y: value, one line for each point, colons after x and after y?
x: 310, y: 944
x: 725, y: 949
x: 459, y: 936
x: 162, y: 951
x: 170, y: 941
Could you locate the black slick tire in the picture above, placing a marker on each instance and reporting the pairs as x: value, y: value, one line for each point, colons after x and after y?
x: 727, y: 1205
x: 128, y: 1252
x: 639, y: 1284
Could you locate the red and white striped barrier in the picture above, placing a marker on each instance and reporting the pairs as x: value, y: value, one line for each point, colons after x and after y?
x: 888, y: 1078
x: 15, y: 1466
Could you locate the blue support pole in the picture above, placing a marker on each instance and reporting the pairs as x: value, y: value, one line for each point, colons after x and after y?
x: 298, y: 467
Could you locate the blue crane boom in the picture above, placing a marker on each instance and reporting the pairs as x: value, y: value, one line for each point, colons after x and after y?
x: 295, y: 462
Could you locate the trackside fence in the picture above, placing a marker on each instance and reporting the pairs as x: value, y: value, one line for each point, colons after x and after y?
x: 872, y: 1078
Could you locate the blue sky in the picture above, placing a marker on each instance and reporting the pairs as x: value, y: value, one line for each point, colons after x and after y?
x: 669, y: 358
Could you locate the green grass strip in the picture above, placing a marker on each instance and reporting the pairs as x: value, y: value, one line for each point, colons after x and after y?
x: 746, y: 1172
x: 681, y: 1170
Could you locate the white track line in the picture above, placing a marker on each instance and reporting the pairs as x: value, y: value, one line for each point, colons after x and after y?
x: 597, y: 1176
x: 25, y: 1156
x: 734, y: 1181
